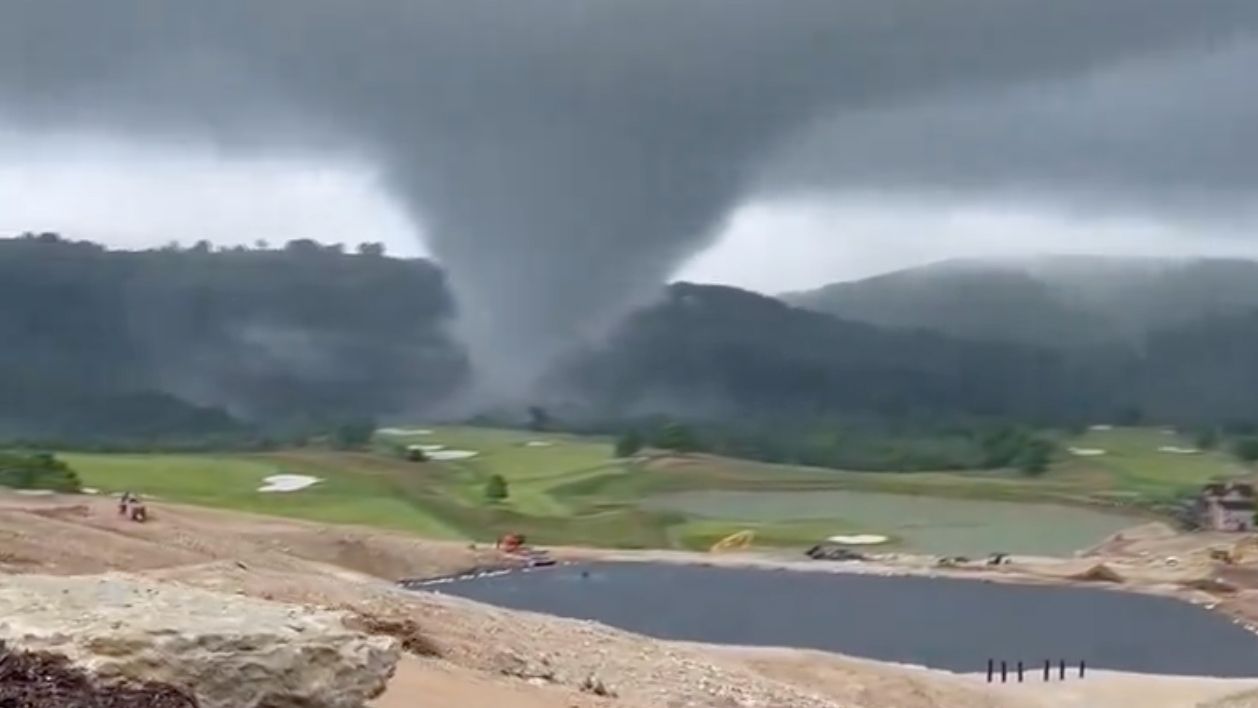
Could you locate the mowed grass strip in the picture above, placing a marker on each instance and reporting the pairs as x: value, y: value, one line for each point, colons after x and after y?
x: 346, y: 493
x: 531, y: 470
x: 1136, y: 464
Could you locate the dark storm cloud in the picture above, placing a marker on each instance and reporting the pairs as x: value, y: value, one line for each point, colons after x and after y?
x: 1165, y: 136
x: 563, y: 155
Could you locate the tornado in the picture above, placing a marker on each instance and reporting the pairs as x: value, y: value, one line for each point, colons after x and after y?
x: 562, y: 157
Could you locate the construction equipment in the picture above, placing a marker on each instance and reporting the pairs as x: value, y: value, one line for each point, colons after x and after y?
x: 513, y: 544
x: 510, y: 542
x: 998, y: 559
x: 131, y: 508
x: 1241, y: 550
x: 834, y: 552
x: 740, y: 541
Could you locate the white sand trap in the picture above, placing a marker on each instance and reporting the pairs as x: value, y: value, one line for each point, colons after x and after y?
x: 34, y: 492
x: 426, y: 448
x: 538, y: 443
x: 449, y: 455
x: 1179, y: 450
x: 404, y: 431
x: 90, y: 490
x: 287, y: 482
x: 859, y: 539
x: 1086, y: 451
x: 1101, y: 427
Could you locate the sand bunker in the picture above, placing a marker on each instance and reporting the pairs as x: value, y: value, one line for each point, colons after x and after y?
x: 1179, y: 450
x: 538, y: 443
x: 449, y: 455
x: 426, y: 448
x: 1086, y: 451
x: 287, y: 482
x: 404, y: 431
x: 859, y: 539
x: 1101, y: 427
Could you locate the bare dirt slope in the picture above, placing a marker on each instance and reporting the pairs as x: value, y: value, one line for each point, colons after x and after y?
x: 484, y: 656
x: 81, y: 534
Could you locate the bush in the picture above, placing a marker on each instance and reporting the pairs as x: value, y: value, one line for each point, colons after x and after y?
x: 1207, y: 439
x: 37, y: 471
x: 496, y: 488
x: 628, y: 444
x: 1246, y: 449
x: 678, y: 438
x: 1035, y: 456
x: 353, y: 435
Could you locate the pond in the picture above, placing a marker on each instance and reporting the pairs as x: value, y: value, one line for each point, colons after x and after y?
x: 942, y: 623
x: 923, y: 524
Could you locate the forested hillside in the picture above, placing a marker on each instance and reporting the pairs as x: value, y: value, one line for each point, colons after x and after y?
x: 711, y: 351
x: 199, y: 342
x: 718, y: 353
x: 1053, y: 301
x: 121, y: 343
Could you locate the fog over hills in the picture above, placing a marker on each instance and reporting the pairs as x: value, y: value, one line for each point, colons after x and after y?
x: 1067, y: 300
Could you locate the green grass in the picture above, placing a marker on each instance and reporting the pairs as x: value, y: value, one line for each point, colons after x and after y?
x: 572, y: 491
x: 1134, y: 465
x: 348, y: 492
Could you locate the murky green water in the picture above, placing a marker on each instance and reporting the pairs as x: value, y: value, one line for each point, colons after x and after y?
x: 922, y: 524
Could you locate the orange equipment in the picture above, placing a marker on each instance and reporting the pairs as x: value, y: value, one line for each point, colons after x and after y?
x: 510, y: 542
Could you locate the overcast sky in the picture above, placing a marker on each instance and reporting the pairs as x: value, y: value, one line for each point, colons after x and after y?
x: 563, y: 158
x: 129, y: 196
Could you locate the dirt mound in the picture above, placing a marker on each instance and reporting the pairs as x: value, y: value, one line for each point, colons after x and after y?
x: 404, y: 629
x: 43, y: 680
x: 1099, y: 573
x: 77, y: 535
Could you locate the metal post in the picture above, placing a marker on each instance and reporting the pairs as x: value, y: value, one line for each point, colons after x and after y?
x: 1061, y: 669
x: 989, y: 670
x: 1019, y: 672
x: 1004, y: 672
x: 1082, y: 664
x: 1047, y: 666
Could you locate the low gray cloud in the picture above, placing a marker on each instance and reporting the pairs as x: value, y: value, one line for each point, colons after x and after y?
x: 1164, y: 136
x: 565, y: 155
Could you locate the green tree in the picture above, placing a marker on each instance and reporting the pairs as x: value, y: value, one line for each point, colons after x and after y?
x: 353, y: 435
x: 678, y: 438
x: 1207, y: 439
x: 539, y: 419
x: 1035, y: 456
x: 1246, y: 449
x: 628, y: 444
x: 496, y: 488
x: 37, y: 471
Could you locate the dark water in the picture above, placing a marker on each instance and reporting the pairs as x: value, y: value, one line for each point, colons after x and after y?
x: 942, y: 623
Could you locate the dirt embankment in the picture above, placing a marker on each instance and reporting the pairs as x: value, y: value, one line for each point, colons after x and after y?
x: 467, y: 654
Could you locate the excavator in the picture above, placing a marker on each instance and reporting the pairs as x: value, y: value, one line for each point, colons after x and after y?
x: 740, y: 541
x: 1240, y: 551
x: 513, y: 544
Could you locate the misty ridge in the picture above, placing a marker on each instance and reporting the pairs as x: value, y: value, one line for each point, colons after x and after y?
x: 176, y: 343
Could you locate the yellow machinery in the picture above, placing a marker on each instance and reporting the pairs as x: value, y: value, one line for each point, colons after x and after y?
x: 1239, y: 552
x: 740, y: 541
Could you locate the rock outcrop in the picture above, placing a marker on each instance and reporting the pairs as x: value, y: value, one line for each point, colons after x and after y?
x: 230, y: 651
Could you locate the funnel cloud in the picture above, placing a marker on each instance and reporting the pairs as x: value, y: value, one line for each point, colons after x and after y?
x: 565, y: 156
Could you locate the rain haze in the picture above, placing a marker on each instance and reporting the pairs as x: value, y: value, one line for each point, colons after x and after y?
x: 563, y: 159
